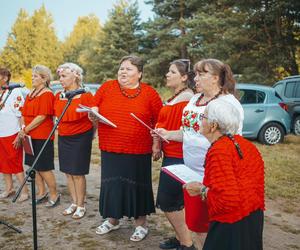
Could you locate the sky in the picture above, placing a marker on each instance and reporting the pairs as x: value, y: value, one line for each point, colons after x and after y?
x: 64, y: 12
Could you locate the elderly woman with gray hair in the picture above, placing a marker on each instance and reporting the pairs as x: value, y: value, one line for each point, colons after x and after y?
x: 37, y: 120
x: 75, y: 135
x: 233, y: 184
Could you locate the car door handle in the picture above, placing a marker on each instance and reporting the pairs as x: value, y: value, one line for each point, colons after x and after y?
x: 259, y: 111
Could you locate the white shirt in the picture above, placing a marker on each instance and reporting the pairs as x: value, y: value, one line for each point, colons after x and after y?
x: 195, y: 145
x: 10, y: 114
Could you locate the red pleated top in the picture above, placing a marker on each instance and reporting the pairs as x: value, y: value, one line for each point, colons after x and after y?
x: 39, y: 105
x: 236, y: 186
x: 170, y: 119
x: 130, y: 136
x: 73, y: 122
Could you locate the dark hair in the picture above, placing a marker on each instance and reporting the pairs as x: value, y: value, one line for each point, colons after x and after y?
x: 220, y: 69
x: 5, y: 72
x: 136, y: 61
x: 184, y: 68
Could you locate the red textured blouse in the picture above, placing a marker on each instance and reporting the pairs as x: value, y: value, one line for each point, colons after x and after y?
x: 130, y: 136
x: 236, y: 186
x: 39, y: 105
x: 169, y: 118
x: 73, y: 122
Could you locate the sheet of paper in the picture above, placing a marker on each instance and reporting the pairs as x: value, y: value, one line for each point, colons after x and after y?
x: 139, y: 120
x: 182, y: 173
x: 101, y: 118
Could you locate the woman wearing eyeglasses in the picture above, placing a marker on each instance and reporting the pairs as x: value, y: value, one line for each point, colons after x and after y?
x: 233, y: 184
x: 215, y: 80
x: 170, y: 194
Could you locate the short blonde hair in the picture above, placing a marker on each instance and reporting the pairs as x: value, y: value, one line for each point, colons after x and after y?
x: 74, y: 68
x: 44, y: 72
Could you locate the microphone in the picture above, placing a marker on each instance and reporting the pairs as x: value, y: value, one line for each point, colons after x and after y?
x: 72, y: 93
x: 13, y: 86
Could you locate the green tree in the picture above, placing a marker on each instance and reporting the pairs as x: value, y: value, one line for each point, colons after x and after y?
x: 167, y: 36
x: 32, y: 41
x: 120, y: 37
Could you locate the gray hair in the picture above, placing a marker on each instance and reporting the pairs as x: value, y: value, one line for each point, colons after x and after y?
x: 74, y: 68
x: 225, y: 114
x: 44, y: 72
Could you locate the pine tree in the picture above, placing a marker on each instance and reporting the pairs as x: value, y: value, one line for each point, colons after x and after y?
x: 120, y: 37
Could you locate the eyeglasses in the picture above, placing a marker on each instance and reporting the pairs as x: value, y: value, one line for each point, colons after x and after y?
x: 202, y: 116
x: 187, y: 62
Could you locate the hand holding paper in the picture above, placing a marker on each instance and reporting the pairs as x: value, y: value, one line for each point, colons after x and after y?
x: 101, y: 118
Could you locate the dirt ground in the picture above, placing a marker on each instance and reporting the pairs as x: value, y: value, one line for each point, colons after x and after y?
x: 55, y: 231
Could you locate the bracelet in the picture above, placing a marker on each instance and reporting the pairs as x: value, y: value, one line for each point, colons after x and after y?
x: 203, y: 193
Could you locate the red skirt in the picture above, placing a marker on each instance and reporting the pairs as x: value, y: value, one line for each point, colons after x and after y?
x: 11, y: 159
x: 196, y: 213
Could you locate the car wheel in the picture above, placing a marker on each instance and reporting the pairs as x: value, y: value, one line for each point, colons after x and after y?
x: 296, y: 125
x: 272, y: 133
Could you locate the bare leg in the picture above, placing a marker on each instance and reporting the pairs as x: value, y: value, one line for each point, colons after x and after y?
x: 200, y: 239
x: 140, y: 221
x: 177, y: 220
x: 20, y: 177
x: 80, y: 189
x: 40, y: 185
x: 71, y: 187
x: 49, y: 178
x: 8, y: 182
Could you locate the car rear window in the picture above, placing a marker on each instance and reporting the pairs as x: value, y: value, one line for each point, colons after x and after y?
x: 249, y: 96
x: 290, y: 89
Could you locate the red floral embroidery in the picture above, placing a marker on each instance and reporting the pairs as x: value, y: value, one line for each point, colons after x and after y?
x: 185, y: 113
x: 19, y: 98
x: 194, y: 116
x: 196, y: 127
x: 186, y: 122
x: 16, y: 105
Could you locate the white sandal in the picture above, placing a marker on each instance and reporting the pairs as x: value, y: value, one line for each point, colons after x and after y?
x: 79, y: 213
x: 139, y: 233
x: 70, y: 210
x: 106, y: 227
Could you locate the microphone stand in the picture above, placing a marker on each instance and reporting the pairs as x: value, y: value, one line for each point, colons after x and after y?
x: 1, y: 221
x: 30, y: 177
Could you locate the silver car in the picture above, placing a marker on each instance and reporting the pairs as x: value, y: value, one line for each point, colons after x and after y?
x: 266, y: 116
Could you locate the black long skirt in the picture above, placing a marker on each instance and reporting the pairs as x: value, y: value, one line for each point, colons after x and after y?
x: 74, y: 153
x: 169, y: 193
x: 245, y: 234
x: 126, y: 185
x: 46, y: 160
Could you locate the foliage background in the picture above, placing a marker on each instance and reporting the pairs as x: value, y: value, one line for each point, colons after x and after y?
x: 259, y: 39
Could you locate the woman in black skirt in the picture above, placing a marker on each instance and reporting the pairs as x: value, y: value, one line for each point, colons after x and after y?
x: 126, y: 185
x: 75, y: 137
x: 170, y: 193
x: 37, y: 116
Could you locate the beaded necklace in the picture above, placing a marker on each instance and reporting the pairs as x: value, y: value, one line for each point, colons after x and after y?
x: 198, y: 104
x: 35, y: 93
x: 177, y: 94
x: 124, y: 93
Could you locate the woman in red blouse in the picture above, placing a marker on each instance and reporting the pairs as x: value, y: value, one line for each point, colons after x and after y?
x: 233, y: 184
x: 75, y: 135
x: 37, y: 119
x: 126, y: 185
x: 169, y: 195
